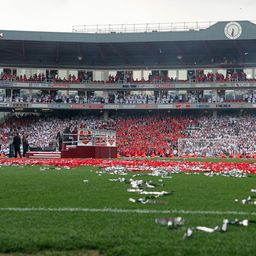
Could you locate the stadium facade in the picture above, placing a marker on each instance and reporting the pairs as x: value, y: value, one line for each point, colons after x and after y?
x: 190, y: 68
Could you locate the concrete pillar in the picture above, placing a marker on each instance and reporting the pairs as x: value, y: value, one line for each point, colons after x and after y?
x: 105, y: 75
x: 214, y: 114
x: 177, y: 74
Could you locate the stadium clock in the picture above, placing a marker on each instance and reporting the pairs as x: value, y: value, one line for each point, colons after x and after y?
x: 233, y: 30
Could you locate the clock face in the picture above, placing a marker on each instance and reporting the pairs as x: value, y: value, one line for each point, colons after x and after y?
x: 233, y: 30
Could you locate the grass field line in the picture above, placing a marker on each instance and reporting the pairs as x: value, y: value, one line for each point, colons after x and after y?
x: 116, y: 210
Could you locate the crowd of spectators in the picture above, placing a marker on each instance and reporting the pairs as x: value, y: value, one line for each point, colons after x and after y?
x: 221, y: 136
x: 191, y: 97
x: 200, y: 76
x: 42, y: 131
x: 149, y: 135
x: 41, y: 77
x: 127, y: 77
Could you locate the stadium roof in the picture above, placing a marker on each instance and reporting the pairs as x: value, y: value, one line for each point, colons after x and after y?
x: 222, y: 44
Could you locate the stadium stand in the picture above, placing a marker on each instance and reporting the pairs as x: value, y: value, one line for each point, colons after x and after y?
x: 154, y: 135
x: 149, y: 85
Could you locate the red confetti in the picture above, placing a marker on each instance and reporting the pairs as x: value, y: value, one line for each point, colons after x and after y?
x: 136, y: 164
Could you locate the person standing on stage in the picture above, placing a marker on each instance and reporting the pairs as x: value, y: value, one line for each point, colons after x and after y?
x: 25, y: 144
x: 16, y: 145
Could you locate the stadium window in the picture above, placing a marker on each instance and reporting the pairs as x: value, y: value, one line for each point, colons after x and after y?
x: 239, y: 94
x: 229, y: 94
x: 72, y: 93
x: 7, y: 71
x: 156, y: 76
x: 24, y: 72
x: 72, y: 72
x: 146, y: 74
x: 37, y: 71
x: 207, y: 92
x: 191, y: 75
x: 62, y: 92
x: 84, y: 76
x: 128, y: 76
x: 222, y: 71
x: 112, y: 73
x: 62, y: 73
x: 20, y: 72
x: 98, y: 75
x: 182, y: 74
x: 120, y: 76
x: 249, y: 73
x: 164, y: 75
x: 99, y: 93
x: 35, y: 93
x: 137, y: 75
x: 172, y: 73
x: 24, y: 92
x: 51, y: 74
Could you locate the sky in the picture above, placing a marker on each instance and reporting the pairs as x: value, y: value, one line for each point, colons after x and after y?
x: 61, y: 15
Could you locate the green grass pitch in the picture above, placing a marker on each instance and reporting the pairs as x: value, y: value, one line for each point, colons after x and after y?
x: 119, y: 233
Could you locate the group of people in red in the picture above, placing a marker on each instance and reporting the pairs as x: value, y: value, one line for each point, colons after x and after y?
x: 150, y: 136
x: 200, y: 76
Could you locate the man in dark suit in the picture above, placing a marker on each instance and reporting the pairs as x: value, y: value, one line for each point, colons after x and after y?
x: 59, y: 139
x: 25, y: 144
x: 16, y: 145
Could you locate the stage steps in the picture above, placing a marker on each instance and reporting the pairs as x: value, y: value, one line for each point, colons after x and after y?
x: 43, y: 154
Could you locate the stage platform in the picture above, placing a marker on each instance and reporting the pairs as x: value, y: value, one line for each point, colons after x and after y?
x: 76, y: 152
x: 89, y: 152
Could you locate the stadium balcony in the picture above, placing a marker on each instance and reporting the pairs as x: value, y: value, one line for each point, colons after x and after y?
x: 235, y: 77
